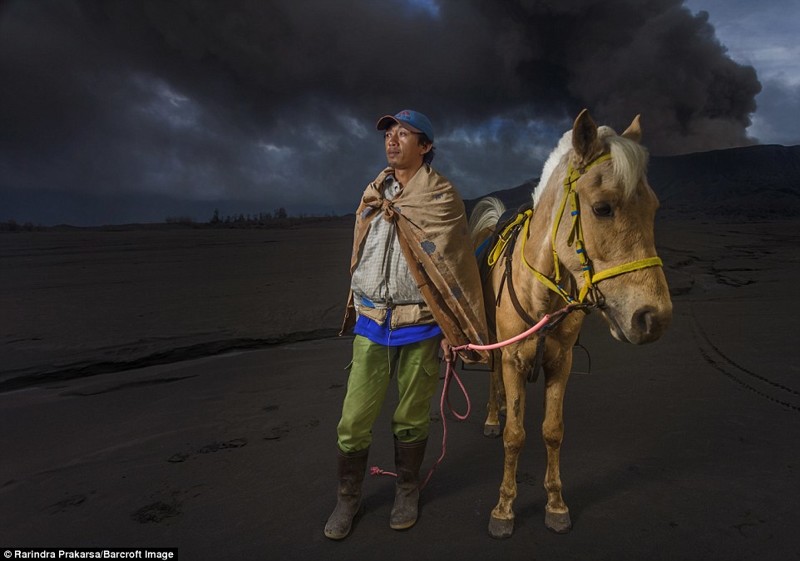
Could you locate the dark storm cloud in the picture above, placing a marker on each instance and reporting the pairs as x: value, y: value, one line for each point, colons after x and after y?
x: 779, y: 114
x: 274, y: 102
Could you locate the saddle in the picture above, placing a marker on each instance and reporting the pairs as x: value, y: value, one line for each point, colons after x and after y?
x: 490, y: 244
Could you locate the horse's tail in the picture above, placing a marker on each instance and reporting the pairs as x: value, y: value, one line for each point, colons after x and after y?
x: 484, y: 218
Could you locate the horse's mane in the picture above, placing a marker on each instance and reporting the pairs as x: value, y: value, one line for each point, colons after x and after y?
x: 629, y: 160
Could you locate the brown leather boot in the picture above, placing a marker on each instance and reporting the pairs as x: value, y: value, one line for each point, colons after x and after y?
x: 351, y: 470
x: 408, y: 459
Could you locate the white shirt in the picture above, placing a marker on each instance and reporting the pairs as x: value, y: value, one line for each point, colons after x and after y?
x: 382, y: 275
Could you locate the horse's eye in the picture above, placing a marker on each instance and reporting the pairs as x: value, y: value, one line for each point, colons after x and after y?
x: 603, y: 210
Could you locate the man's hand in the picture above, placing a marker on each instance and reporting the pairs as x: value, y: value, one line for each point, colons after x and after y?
x: 447, y: 351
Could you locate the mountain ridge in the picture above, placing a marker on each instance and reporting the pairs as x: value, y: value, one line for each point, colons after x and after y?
x: 754, y: 182
x: 760, y: 181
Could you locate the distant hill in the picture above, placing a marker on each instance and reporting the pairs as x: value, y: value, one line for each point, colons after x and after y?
x: 512, y: 198
x: 754, y: 181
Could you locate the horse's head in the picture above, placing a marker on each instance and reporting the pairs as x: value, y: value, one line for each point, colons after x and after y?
x: 617, y: 210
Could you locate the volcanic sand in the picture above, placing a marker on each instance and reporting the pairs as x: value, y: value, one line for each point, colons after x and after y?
x: 180, y: 387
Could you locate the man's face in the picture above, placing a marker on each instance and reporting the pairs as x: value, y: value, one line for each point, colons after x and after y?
x: 403, y: 150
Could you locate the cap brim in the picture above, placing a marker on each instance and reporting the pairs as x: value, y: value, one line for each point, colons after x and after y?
x: 385, y: 122
x: 388, y: 120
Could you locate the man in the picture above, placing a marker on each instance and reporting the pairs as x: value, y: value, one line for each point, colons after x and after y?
x: 414, y: 280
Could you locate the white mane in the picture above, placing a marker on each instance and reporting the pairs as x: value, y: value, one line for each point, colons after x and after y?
x: 629, y: 160
x: 562, y: 148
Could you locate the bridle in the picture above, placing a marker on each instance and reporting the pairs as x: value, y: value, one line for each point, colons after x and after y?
x: 589, y: 293
x: 587, y: 298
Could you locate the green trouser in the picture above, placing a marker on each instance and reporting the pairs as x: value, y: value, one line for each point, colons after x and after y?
x: 416, y: 366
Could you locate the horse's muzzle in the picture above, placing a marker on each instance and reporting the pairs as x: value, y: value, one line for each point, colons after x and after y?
x: 645, y: 325
x: 648, y: 324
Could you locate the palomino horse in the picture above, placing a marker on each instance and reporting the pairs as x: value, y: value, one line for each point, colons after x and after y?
x: 588, y: 243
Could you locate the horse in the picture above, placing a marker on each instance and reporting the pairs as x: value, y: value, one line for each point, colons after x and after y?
x: 587, y: 243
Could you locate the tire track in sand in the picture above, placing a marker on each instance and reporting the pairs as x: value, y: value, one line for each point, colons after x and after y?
x: 772, y: 391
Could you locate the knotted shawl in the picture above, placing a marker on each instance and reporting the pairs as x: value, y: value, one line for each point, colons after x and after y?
x: 432, y: 229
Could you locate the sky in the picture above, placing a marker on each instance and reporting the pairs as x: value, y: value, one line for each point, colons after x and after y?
x: 138, y: 110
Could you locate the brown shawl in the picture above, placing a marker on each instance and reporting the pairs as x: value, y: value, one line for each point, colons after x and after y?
x: 432, y: 230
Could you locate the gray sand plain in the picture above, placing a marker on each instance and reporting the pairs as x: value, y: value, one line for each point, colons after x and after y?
x: 180, y: 387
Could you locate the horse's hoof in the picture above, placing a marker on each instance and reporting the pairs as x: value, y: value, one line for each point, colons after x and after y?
x: 500, y: 529
x: 558, y: 522
x: 492, y: 431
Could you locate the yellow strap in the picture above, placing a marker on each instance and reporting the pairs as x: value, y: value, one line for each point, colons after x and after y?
x: 556, y: 224
x: 619, y: 270
x: 539, y: 276
x: 575, y: 233
x: 553, y: 286
x: 627, y: 268
x: 598, y: 160
x: 505, y: 236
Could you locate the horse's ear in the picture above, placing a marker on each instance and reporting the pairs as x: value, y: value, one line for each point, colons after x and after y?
x: 634, y: 130
x: 584, y: 135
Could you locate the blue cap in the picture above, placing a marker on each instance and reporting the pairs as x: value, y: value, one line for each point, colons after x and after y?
x: 412, y: 120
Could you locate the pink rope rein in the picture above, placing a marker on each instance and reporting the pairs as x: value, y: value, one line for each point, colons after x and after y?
x: 500, y: 344
x: 449, y: 375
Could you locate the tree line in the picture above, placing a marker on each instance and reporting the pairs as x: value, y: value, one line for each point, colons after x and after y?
x: 280, y: 218
x: 260, y: 219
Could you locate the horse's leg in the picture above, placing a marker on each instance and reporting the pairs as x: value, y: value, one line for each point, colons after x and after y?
x: 491, y: 427
x: 557, y: 372
x: 501, y: 523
